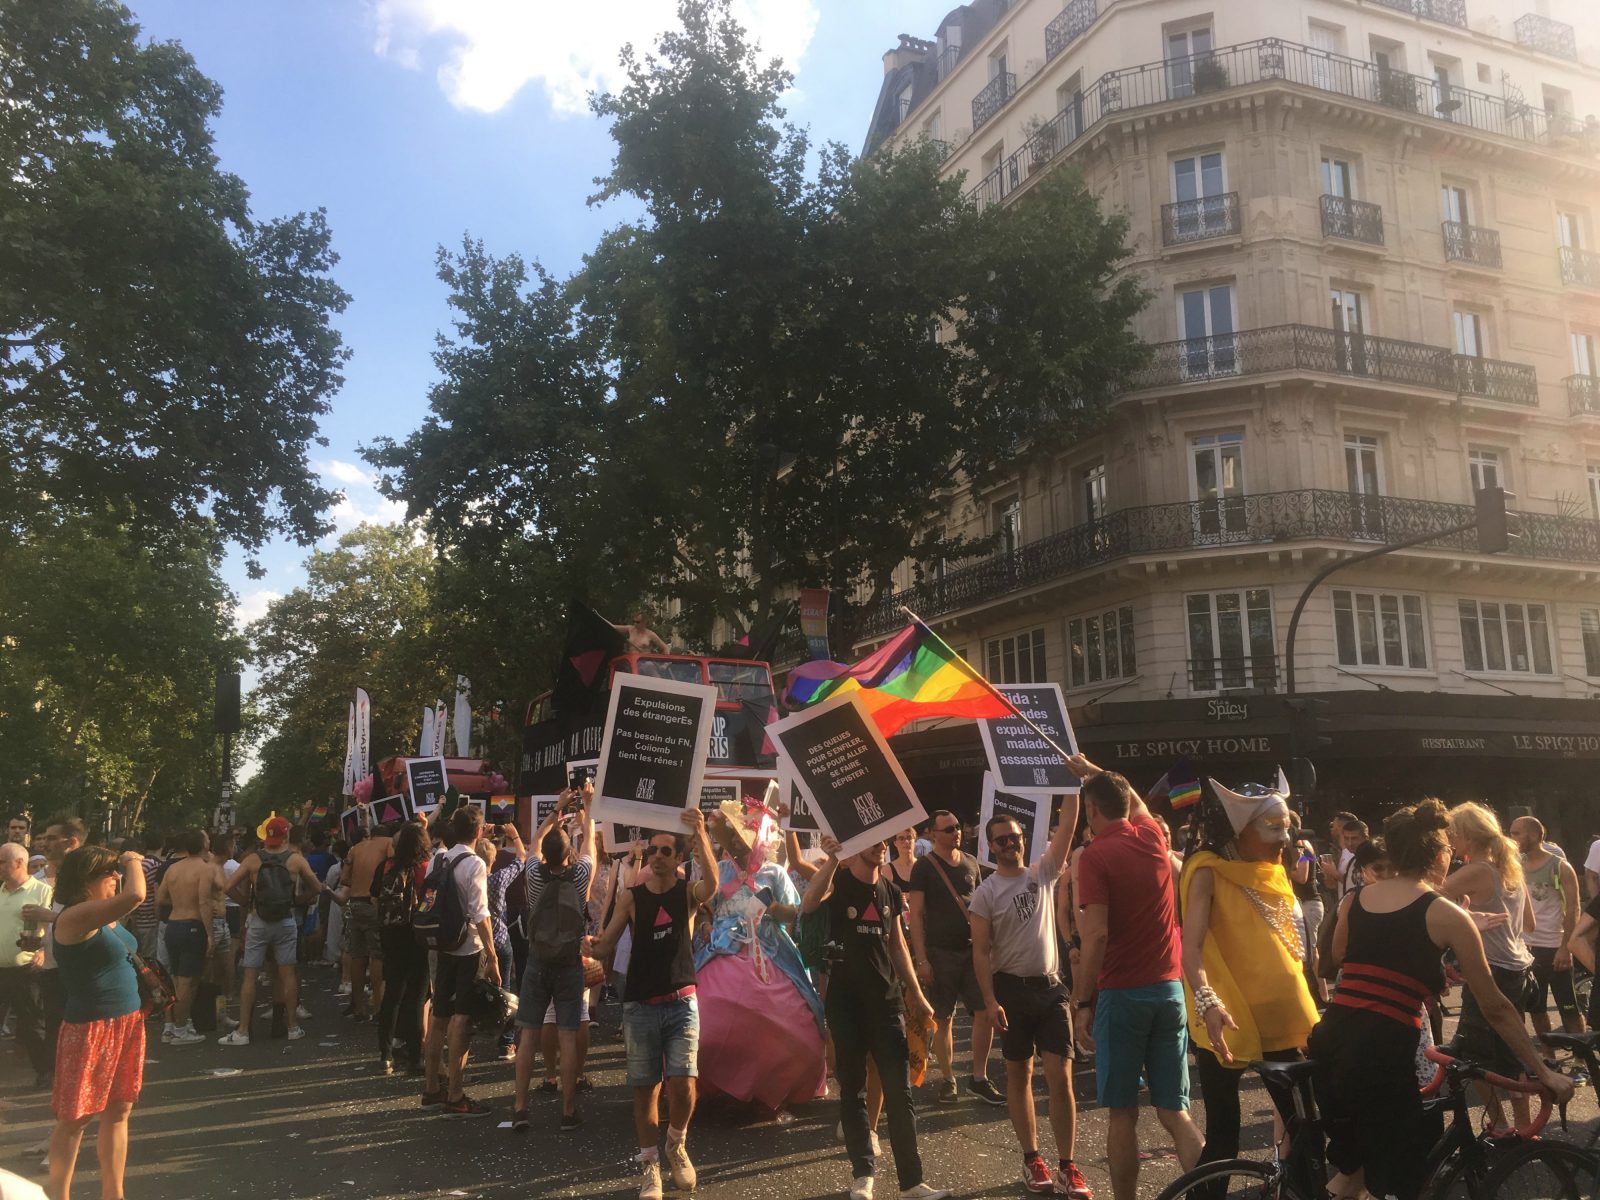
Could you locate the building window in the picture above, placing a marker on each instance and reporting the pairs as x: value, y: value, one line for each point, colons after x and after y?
x: 1206, y: 319
x: 1470, y: 339
x: 1594, y: 490
x: 1486, y: 469
x: 1231, y: 642
x: 1183, y: 48
x: 1338, y: 178
x: 1499, y: 636
x: 1008, y: 524
x: 1379, y: 629
x: 1016, y: 659
x: 1585, y: 353
x: 1591, y: 641
x: 1102, y: 647
x: 1216, y: 483
x: 1569, y: 229
x: 1094, y: 491
x: 1455, y: 203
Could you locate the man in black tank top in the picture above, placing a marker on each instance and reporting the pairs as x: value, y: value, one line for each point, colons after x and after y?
x: 660, y: 1016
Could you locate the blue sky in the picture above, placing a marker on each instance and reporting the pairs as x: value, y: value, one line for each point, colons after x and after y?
x: 414, y: 122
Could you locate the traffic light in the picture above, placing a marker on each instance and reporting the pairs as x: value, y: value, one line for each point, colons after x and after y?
x: 1493, y: 537
x: 1308, y: 733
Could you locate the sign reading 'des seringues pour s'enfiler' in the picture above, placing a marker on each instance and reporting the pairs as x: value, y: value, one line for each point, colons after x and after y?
x: 653, y: 755
x: 844, y: 768
x: 1020, y: 760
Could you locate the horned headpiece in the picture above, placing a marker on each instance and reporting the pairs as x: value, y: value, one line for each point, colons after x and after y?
x: 1266, y: 807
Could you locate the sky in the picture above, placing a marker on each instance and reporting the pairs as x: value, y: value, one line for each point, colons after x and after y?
x: 418, y: 122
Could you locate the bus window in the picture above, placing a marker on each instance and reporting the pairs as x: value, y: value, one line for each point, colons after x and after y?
x: 741, y: 681
x: 682, y: 670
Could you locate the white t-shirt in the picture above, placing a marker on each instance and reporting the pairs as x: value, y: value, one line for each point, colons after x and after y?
x: 473, y: 880
x: 1592, y: 863
x: 228, y: 868
x: 1021, y: 911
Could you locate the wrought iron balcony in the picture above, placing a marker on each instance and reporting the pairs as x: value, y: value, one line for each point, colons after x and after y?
x: 1583, y: 395
x: 993, y: 97
x: 1352, y: 220
x: 1448, y: 12
x: 1581, y: 268
x: 1068, y: 26
x: 1315, y: 350
x: 1266, y: 519
x: 1270, y: 60
x: 1471, y: 244
x: 1552, y: 37
x: 1257, y: 672
x: 1200, y: 220
x: 947, y: 60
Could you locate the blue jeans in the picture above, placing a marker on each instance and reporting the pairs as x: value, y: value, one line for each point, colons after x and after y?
x: 662, y: 1040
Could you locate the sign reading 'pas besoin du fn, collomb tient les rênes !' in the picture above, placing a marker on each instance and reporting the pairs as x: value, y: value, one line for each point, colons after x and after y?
x: 653, y: 754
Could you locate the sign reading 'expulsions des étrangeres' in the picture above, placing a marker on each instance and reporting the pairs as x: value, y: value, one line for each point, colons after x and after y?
x: 850, y: 779
x: 653, y: 755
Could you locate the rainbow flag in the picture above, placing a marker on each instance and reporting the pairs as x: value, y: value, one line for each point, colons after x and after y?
x: 916, y: 674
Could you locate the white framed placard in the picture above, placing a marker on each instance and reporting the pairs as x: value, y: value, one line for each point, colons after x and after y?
x: 1030, y: 812
x: 1021, y: 761
x: 653, y: 753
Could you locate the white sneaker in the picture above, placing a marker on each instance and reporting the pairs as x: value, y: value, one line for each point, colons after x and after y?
x: 226, y: 1022
x: 344, y: 990
x: 295, y: 1034
x: 167, y: 1031
x: 237, y: 1038
x: 873, y: 1144
x: 650, y: 1181
x: 683, y: 1172
x: 302, y: 1012
x: 923, y: 1192
x: 861, y: 1188
x: 184, y: 1037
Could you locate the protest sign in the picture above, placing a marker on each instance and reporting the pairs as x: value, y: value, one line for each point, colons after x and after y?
x: 352, y: 821
x: 653, y: 756
x: 391, y: 808
x: 502, y: 810
x: 1021, y: 761
x: 429, y: 781
x: 844, y: 768
x: 1030, y: 812
x: 714, y: 792
x: 814, y: 620
x: 799, y: 818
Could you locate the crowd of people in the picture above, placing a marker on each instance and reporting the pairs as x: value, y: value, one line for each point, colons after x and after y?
x: 751, y: 966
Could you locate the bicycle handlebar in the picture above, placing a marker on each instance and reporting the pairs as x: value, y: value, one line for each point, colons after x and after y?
x: 1472, y: 1071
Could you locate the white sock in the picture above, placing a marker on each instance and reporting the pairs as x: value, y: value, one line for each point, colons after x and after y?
x: 677, y: 1135
x: 649, y: 1154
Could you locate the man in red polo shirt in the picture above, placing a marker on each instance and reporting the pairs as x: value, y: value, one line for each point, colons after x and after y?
x: 1133, y: 949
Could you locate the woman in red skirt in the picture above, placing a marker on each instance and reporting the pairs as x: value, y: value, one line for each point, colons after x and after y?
x: 100, y: 1051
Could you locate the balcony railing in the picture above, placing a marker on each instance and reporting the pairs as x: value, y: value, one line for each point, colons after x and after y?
x: 1266, y: 519
x: 1449, y: 12
x: 1583, y: 395
x: 1552, y: 37
x: 947, y: 60
x: 1068, y: 26
x: 1199, y: 220
x: 1311, y: 348
x: 1352, y: 220
x: 1581, y: 268
x: 1234, y: 673
x: 1268, y: 60
x: 1471, y: 244
x: 993, y: 97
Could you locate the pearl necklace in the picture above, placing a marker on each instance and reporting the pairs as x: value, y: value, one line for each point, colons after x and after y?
x: 1279, y: 915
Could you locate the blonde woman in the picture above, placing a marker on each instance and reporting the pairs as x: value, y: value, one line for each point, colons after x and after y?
x: 1491, y: 882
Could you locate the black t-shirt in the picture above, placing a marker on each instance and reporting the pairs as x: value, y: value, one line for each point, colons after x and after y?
x: 944, y: 924
x: 662, y: 959
x: 860, y: 918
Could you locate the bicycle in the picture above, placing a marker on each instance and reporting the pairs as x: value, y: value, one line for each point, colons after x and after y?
x: 1463, y: 1165
x: 1585, y: 1047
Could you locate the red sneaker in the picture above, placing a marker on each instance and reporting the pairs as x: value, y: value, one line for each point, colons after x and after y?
x: 1036, y: 1174
x: 1072, y: 1183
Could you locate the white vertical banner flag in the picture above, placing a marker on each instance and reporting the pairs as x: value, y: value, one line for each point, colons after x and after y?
x: 462, y: 717
x: 350, y: 753
x: 363, y: 735
x: 425, y: 742
x: 437, y: 749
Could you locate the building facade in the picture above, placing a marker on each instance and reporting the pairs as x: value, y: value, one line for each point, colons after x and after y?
x: 1369, y: 228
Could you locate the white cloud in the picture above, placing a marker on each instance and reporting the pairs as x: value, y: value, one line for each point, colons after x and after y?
x: 253, y: 604
x: 346, y: 472
x: 492, y: 49
x: 355, y: 507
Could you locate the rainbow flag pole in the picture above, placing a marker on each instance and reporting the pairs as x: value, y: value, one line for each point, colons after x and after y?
x: 972, y: 672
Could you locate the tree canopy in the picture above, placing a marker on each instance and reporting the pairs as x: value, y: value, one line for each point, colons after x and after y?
x: 774, y: 376
x: 162, y: 350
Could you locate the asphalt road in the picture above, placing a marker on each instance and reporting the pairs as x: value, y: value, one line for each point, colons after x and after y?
x: 314, y: 1119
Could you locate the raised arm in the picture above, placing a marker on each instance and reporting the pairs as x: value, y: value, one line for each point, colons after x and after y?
x: 797, y: 859
x: 1066, y: 826
x: 821, y: 885
x: 706, y: 886
x: 75, y: 923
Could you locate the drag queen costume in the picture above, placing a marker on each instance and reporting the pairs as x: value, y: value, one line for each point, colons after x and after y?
x: 761, y: 1027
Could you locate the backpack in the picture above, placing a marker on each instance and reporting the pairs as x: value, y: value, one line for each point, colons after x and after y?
x: 438, y: 916
x: 274, y: 886
x: 557, y: 923
x: 395, y: 896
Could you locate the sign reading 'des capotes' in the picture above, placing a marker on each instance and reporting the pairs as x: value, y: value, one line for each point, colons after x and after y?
x: 653, y: 755
x: 429, y: 781
x: 847, y: 774
x: 1030, y: 812
x: 1021, y: 761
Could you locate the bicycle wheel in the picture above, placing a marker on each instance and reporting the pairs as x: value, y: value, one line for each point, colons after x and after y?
x: 1545, y: 1171
x: 1234, y: 1178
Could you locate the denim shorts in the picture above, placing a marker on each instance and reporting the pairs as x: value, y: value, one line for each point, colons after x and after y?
x: 281, y: 937
x: 1141, y: 1029
x: 662, y: 1039
x: 545, y: 985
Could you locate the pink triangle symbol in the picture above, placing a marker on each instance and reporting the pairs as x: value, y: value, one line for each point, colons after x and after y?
x: 871, y: 914
x: 662, y: 918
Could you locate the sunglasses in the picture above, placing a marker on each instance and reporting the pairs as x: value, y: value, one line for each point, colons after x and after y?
x: 1006, y: 839
x: 651, y: 851
x: 947, y: 829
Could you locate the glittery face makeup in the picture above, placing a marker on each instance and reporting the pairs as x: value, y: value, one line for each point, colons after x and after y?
x: 1272, y: 823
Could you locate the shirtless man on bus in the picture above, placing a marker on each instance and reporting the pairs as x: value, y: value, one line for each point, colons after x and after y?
x: 191, y: 885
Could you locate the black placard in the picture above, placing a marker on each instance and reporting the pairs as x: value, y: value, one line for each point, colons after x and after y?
x: 653, y: 757
x: 1030, y: 812
x: 1020, y: 760
x: 429, y: 781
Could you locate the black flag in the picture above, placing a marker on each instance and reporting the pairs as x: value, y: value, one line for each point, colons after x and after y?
x: 592, y: 642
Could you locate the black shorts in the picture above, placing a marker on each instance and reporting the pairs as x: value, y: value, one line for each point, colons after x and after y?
x: 452, y: 982
x: 1476, y: 1039
x: 1547, y: 980
x: 953, y: 979
x: 1038, y: 1019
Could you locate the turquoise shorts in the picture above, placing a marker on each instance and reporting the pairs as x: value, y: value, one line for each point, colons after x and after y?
x: 1141, y: 1031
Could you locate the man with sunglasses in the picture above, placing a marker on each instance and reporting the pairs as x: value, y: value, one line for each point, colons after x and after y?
x: 660, y: 1015
x: 942, y: 883
x: 1018, y: 964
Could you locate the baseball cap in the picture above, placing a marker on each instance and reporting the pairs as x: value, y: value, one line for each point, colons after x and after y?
x: 277, y: 831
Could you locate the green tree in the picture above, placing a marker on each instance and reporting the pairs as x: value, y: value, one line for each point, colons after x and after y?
x: 772, y: 377
x: 107, y: 672
x: 161, y: 350
x: 365, y: 617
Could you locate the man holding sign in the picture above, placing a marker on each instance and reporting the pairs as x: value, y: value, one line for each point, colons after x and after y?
x: 1019, y: 969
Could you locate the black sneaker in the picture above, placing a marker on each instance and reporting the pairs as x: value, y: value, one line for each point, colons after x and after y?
x: 570, y: 1121
x: 986, y: 1091
x: 432, y: 1099
x: 465, y: 1107
x: 519, y: 1120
